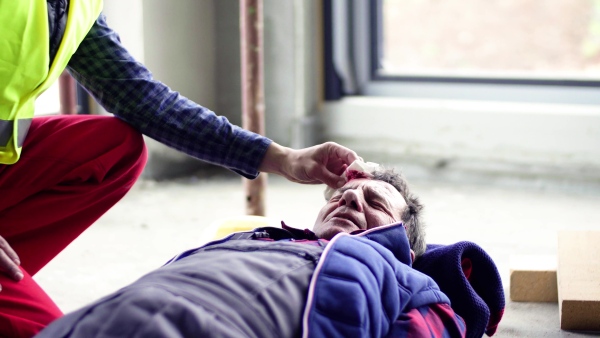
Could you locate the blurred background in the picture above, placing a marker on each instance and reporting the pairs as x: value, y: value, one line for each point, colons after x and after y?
x: 490, y: 108
x: 501, y: 90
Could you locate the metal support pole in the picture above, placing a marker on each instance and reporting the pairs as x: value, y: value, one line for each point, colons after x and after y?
x: 67, y: 93
x: 253, y: 97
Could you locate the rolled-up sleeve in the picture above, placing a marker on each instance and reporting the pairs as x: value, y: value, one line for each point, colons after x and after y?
x: 125, y: 87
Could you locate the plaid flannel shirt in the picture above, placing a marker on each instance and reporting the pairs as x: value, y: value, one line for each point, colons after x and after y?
x: 435, y: 321
x: 124, y: 87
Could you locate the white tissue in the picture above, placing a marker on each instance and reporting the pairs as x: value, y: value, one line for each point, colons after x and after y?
x: 357, y: 165
x: 366, y: 167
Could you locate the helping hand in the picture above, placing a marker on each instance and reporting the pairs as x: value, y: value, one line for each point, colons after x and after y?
x: 9, y: 261
x: 323, y: 163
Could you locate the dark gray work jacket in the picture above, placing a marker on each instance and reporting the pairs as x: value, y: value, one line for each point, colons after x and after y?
x: 240, y: 288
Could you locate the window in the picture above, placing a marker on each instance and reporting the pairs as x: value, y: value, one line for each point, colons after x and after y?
x: 496, y: 39
x: 509, y: 50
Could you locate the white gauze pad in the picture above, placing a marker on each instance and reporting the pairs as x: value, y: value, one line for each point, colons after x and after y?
x: 357, y: 165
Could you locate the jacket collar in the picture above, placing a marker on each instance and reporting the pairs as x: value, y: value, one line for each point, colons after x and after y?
x: 393, y: 237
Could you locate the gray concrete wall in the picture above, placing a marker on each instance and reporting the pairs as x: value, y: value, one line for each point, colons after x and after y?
x: 179, y: 46
x: 280, y: 60
x: 290, y: 68
x: 194, y: 47
x: 176, y: 41
x: 179, y: 49
x: 227, y: 65
x: 291, y: 71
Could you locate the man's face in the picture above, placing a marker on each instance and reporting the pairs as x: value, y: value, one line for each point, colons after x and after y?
x: 359, y: 204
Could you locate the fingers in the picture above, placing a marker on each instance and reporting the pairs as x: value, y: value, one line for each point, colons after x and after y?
x: 336, y: 166
x: 345, y: 154
x: 331, y: 179
x: 332, y: 160
x: 10, y: 253
x: 10, y: 267
x: 323, y: 163
x: 9, y: 261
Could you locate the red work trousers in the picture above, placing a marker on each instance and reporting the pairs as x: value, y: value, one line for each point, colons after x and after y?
x: 72, y: 170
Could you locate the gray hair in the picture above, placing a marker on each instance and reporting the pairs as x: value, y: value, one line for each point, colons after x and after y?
x: 411, y: 216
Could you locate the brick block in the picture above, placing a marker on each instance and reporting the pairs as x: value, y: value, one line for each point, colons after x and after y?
x: 533, y: 278
x: 578, y: 275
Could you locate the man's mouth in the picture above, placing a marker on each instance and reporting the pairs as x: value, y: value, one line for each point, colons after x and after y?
x: 345, y: 219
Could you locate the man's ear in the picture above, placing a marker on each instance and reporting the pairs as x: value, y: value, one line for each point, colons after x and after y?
x: 412, y: 255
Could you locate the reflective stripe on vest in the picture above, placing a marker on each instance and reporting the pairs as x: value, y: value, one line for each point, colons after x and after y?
x: 24, y: 59
x: 6, y: 131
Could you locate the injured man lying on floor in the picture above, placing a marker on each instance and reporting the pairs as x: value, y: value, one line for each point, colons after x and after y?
x: 363, y: 271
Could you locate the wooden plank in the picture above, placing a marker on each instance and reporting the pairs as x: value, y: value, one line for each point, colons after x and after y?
x: 533, y: 278
x: 578, y: 276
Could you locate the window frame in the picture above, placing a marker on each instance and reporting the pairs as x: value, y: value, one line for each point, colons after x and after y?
x: 364, y: 51
x: 376, y: 30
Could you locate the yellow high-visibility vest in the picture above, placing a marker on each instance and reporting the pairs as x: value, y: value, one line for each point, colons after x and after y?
x: 24, y: 60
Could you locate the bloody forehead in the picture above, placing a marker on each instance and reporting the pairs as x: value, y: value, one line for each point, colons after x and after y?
x: 354, y: 174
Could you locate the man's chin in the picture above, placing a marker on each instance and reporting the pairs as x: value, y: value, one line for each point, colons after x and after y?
x: 333, y: 230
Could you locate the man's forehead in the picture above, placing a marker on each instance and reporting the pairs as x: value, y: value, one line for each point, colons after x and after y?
x: 374, y: 185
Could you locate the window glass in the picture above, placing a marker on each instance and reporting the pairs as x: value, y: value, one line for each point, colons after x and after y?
x: 492, y: 38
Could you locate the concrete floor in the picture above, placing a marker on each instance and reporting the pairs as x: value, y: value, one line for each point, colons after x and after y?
x: 157, y: 220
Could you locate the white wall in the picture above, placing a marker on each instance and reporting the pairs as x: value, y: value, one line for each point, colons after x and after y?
x: 437, y: 137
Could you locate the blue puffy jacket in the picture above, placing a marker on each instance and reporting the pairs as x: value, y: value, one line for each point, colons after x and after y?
x: 363, y: 283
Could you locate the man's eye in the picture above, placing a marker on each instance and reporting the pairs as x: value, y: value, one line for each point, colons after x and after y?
x: 378, y: 205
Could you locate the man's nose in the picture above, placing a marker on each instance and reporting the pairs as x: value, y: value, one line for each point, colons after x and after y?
x: 351, y: 199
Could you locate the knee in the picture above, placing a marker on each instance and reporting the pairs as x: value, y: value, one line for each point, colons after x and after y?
x: 128, y: 153
x: 129, y: 140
